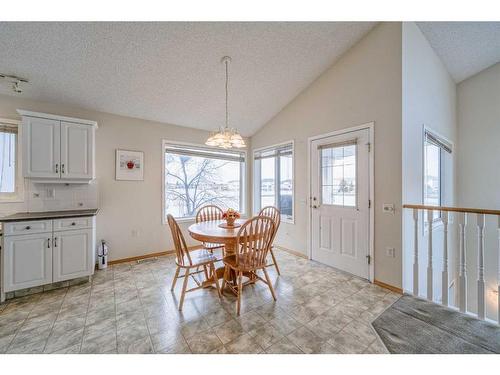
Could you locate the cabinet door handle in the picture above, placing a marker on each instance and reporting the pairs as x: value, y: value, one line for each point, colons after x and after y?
x: 62, y: 168
x: 57, y: 168
x: 28, y: 227
x: 48, y: 243
x: 55, y: 241
x: 73, y: 223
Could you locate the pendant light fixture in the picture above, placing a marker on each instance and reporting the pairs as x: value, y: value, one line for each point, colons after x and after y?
x: 226, y: 137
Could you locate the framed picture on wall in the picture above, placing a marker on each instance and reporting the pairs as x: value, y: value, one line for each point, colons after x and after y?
x: 129, y: 165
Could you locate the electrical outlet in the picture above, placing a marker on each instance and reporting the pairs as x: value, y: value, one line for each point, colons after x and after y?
x: 50, y: 193
x: 390, y: 252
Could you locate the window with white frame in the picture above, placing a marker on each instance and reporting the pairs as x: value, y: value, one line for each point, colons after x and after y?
x: 273, y: 179
x: 436, y: 150
x: 196, y: 176
x: 10, y: 177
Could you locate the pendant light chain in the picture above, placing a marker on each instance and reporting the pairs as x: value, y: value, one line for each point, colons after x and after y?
x: 226, y: 137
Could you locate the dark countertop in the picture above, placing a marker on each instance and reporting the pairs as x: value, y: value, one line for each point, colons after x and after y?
x: 48, y: 215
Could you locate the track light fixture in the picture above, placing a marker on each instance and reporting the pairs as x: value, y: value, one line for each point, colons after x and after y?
x: 16, y: 82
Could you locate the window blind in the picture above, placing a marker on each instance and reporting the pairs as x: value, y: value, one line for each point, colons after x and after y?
x: 282, y: 150
x: 8, y: 128
x: 437, y: 141
x: 205, y: 152
x: 351, y: 142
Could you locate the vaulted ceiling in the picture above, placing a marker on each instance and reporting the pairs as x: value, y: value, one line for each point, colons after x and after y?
x: 171, y: 72
x: 465, y: 48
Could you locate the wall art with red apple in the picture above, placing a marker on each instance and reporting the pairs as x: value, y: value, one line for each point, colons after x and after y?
x: 129, y: 165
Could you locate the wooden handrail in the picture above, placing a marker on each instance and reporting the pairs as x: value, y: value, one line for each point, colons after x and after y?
x: 453, y: 209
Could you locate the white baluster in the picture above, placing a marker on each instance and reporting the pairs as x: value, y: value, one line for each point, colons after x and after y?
x: 480, y: 266
x: 429, y: 256
x: 415, y: 253
x: 498, y: 277
x: 444, y: 278
x: 462, y: 267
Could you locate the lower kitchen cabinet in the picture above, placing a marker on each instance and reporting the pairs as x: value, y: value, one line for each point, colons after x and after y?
x: 27, y: 261
x: 30, y: 259
x: 72, y: 254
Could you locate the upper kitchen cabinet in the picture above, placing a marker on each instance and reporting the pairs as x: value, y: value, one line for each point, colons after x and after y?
x: 77, y: 151
x: 57, y: 148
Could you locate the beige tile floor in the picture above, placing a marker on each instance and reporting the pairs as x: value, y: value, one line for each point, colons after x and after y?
x: 129, y: 308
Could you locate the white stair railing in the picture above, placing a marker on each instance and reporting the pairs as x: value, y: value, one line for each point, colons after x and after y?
x: 461, y: 215
x: 415, y: 252
x: 462, y: 265
x: 498, y: 277
x: 444, y: 274
x: 430, y: 284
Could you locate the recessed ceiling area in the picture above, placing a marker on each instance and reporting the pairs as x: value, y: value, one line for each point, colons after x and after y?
x: 171, y: 71
x: 466, y: 48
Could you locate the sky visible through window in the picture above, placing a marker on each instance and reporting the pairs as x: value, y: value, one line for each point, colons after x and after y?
x: 7, y: 162
x: 338, y: 178
x: 432, y: 184
x: 268, y: 190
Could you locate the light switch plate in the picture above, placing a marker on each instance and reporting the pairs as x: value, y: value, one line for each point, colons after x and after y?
x: 388, y: 208
x: 390, y: 252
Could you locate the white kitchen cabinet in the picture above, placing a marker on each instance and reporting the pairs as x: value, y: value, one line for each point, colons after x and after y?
x: 41, y: 147
x: 77, y: 144
x: 40, y: 252
x: 58, y: 149
x: 73, y: 254
x: 27, y: 261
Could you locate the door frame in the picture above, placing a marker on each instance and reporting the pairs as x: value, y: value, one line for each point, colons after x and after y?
x: 371, y: 164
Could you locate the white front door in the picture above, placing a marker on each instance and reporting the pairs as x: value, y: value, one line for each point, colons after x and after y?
x: 340, y: 193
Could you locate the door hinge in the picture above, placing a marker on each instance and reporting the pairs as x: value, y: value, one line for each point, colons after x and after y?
x: 369, y: 203
x: 369, y: 146
x: 369, y: 259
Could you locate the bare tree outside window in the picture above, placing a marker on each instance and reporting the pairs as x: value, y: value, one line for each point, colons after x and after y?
x: 194, y: 181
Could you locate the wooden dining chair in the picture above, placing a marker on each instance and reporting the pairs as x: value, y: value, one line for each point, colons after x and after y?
x: 190, y: 262
x: 275, y: 214
x: 209, y: 213
x: 253, y: 241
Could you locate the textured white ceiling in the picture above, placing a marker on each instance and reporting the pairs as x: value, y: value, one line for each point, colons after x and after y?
x: 466, y: 48
x: 171, y: 72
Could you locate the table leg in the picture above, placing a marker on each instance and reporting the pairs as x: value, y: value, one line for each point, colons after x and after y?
x: 229, y: 249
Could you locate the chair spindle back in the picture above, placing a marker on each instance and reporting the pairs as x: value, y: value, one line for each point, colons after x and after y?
x: 275, y: 215
x: 254, y: 239
x: 209, y: 213
x: 181, y: 250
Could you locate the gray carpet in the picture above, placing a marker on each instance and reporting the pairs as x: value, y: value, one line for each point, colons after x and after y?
x: 416, y: 326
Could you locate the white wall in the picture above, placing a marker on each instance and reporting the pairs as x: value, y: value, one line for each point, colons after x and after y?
x: 479, y: 171
x: 125, y: 206
x: 429, y: 98
x: 364, y: 85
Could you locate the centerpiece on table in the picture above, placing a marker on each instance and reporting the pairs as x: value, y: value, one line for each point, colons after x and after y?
x: 230, y: 215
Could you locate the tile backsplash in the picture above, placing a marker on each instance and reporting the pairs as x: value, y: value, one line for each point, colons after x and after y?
x: 57, y: 197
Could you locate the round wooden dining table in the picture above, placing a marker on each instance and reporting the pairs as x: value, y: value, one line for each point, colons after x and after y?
x: 211, y: 232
